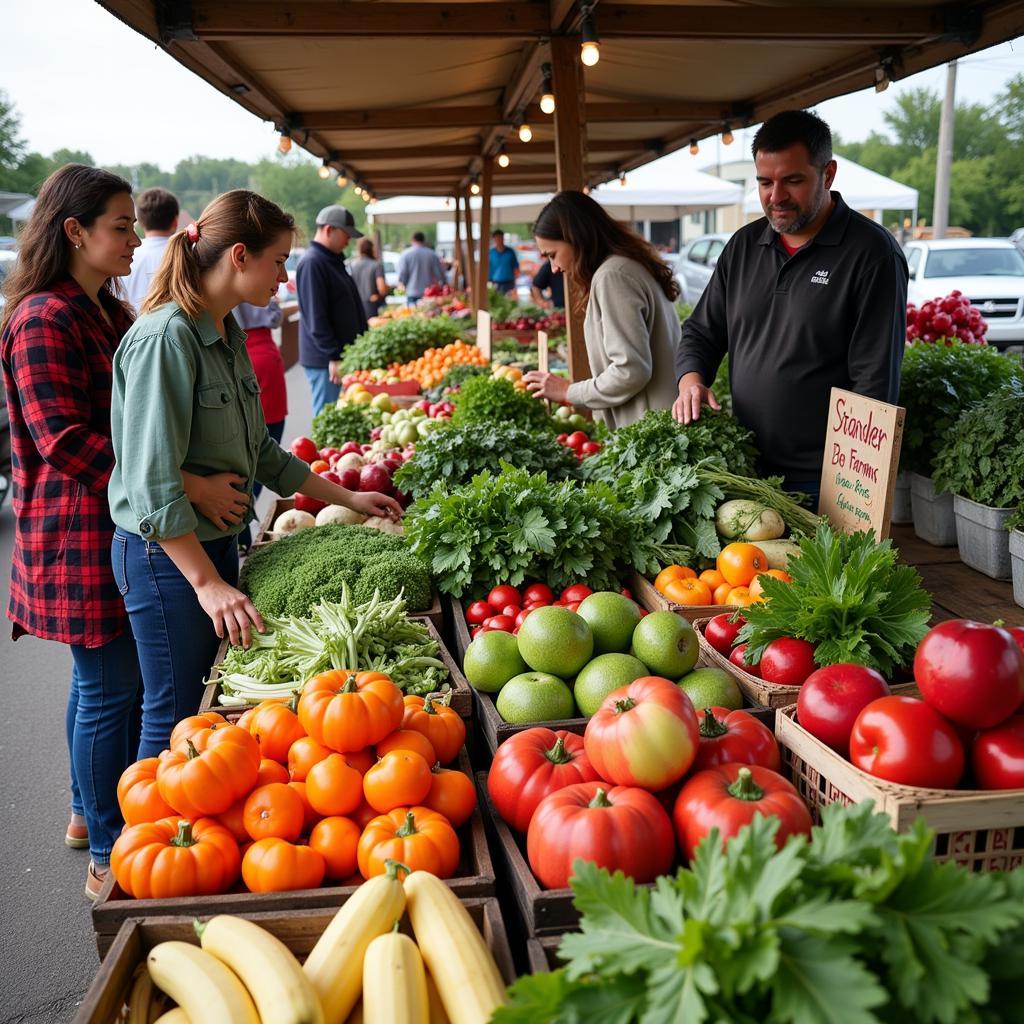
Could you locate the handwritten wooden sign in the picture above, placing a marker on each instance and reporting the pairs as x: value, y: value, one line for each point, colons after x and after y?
x: 483, y: 333
x: 862, y: 454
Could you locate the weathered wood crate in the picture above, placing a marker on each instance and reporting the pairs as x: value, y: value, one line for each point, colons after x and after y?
x: 644, y: 594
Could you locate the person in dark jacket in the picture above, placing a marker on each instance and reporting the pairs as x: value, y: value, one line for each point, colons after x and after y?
x: 331, y: 312
x: 809, y: 298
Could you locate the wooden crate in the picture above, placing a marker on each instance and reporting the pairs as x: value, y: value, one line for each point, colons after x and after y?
x: 462, y: 692
x: 473, y: 877
x: 459, y: 627
x: 644, y: 594
x: 297, y: 929
x: 542, y: 953
x: 494, y: 730
x: 981, y: 829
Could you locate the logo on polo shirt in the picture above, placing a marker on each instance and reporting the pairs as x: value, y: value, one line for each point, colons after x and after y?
x: 819, y: 277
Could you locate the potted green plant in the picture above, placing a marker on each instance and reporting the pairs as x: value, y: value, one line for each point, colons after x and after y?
x: 1016, y: 526
x: 937, y: 383
x: 981, y: 462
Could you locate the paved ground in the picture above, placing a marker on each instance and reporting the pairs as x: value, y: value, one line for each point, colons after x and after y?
x: 47, y: 952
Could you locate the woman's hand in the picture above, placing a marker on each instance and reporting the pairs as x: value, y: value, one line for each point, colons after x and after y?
x: 231, y: 611
x: 693, y: 393
x: 217, y: 497
x: 373, y: 503
x: 547, y: 385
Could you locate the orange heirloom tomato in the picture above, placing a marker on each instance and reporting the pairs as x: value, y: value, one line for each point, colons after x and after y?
x: 452, y: 794
x: 275, y: 727
x: 302, y: 755
x: 670, y: 573
x: 275, y: 865
x: 689, y: 592
x: 336, y: 839
x: 756, y: 589
x: 172, y: 857
x: 408, y: 739
x: 713, y: 578
x: 363, y: 814
x: 348, y: 711
x: 309, y: 816
x: 270, y: 771
x: 398, y: 779
x: 443, y: 726
x: 417, y: 837
x: 361, y: 760
x: 333, y: 786
x: 233, y: 820
x: 188, y: 727
x: 138, y: 795
x: 274, y: 812
x: 739, y: 563
x: 741, y: 597
x: 199, y: 783
x: 722, y: 592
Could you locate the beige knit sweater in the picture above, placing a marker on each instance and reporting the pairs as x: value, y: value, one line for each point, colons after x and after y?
x: 631, y: 332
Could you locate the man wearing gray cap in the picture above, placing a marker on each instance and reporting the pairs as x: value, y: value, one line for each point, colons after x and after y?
x: 331, y: 311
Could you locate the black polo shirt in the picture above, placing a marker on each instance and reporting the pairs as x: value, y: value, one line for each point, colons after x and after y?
x: 831, y: 315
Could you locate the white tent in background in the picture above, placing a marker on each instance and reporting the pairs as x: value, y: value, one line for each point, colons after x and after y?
x: 862, y: 189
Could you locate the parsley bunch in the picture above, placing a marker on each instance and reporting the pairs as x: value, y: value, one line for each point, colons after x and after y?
x: 399, y: 341
x: 456, y: 454
x: 849, y: 598
x: 486, y: 400
x: 336, y: 424
x: 859, y: 926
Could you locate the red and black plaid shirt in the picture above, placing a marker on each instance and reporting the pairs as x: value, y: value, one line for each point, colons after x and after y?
x: 57, y: 353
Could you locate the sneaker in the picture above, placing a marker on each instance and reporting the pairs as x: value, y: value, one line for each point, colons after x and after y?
x: 77, y: 835
x: 95, y: 880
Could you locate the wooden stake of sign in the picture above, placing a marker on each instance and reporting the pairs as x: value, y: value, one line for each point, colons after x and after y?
x: 542, y: 351
x: 483, y: 333
x: 862, y: 455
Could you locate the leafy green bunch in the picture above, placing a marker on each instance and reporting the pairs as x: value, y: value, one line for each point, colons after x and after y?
x: 456, y: 377
x: 336, y: 424
x: 485, y: 400
x: 849, y: 598
x: 454, y: 455
x: 939, y: 382
x: 982, y: 454
x: 510, y: 526
x: 861, y: 925
x: 398, y: 341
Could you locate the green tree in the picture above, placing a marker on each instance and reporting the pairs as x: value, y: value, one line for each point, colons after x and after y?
x: 12, y: 145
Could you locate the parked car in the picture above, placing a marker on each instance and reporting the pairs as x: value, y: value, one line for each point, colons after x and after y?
x: 988, y: 271
x: 286, y: 291
x: 1017, y: 237
x: 6, y: 265
x: 697, y: 263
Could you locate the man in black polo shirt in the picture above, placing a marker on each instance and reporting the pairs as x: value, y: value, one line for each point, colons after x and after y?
x: 810, y: 298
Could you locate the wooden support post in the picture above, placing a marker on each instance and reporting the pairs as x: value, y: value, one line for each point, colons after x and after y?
x: 457, y: 248
x: 474, y: 294
x: 571, y: 161
x: 486, y: 189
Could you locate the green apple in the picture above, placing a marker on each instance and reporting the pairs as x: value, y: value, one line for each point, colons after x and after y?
x: 563, y: 412
x: 577, y: 421
x: 382, y: 402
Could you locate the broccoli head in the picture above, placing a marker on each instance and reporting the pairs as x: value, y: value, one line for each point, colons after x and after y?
x: 391, y: 573
x: 319, y: 578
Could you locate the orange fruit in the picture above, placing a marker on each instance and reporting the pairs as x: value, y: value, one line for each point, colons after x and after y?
x: 739, y: 563
x: 722, y: 592
x: 688, y: 591
x: 741, y: 597
x: 713, y: 578
x: 670, y: 573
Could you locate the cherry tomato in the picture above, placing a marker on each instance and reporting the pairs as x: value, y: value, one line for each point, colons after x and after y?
x: 577, y: 592
x: 511, y: 610
x: 905, y: 740
x: 787, y: 661
x: 499, y: 622
x: 997, y: 756
x: 576, y: 440
x: 521, y: 617
x: 538, y: 593
x: 831, y: 698
x: 721, y: 633
x: 734, y: 737
x: 970, y: 672
x: 738, y: 659
x: 478, y: 611
x: 475, y: 632
x: 503, y: 595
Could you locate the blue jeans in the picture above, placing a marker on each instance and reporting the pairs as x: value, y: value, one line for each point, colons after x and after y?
x: 103, y: 735
x: 809, y: 487
x: 175, y: 638
x: 324, y: 392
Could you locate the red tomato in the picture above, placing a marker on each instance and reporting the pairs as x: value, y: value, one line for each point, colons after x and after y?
x: 904, y: 740
x: 626, y: 592
x: 475, y: 632
x: 1017, y: 632
x: 831, y: 699
x: 500, y: 622
x: 787, y: 661
x: 997, y: 756
x: 590, y: 447
x: 735, y: 737
x: 478, y: 612
x: 576, y: 440
x: 644, y: 734
x: 303, y: 448
x: 577, y: 592
x: 721, y: 633
x: 521, y: 617
x: 538, y: 593
x: 503, y: 595
x: 511, y: 610
x: 532, y: 764
x: 738, y: 659
x: 573, y: 606
x: 970, y: 672
x: 621, y: 828
x: 727, y: 798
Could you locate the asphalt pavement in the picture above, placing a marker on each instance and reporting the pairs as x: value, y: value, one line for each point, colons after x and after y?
x: 47, y: 951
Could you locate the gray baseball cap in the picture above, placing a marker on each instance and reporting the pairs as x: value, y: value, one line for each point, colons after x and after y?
x: 338, y: 217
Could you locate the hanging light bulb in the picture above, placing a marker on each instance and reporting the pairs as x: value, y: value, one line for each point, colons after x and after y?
x: 525, y: 132
x: 371, y: 200
x: 342, y: 181
x: 590, y: 48
x: 503, y: 158
x: 622, y: 179
x: 324, y: 171
x: 694, y: 148
x: 284, y: 144
x: 547, y: 94
x: 475, y: 188
x: 727, y: 135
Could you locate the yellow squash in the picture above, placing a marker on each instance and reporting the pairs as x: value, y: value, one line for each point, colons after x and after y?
x: 394, y: 982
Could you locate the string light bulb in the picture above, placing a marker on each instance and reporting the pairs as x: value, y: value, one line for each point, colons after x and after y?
x: 622, y: 179
x: 324, y: 171
x: 547, y: 94
x: 525, y: 132
x: 284, y: 144
x: 475, y: 188
x: 590, y: 45
x: 727, y: 136
x: 342, y: 181
x: 503, y: 158
x: 694, y: 148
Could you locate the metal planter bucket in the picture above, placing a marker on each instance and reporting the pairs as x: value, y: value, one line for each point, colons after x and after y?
x: 982, y: 537
x: 902, y: 511
x: 934, y: 521
x: 1017, y: 562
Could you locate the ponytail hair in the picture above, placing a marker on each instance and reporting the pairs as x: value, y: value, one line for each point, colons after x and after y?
x: 236, y: 216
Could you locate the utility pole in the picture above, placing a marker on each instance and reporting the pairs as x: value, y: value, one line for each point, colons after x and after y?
x: 940, y: 213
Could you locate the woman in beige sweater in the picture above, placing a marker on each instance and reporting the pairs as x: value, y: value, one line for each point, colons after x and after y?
x: 631, y: 328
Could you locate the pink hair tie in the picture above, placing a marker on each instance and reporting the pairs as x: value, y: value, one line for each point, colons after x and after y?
x: 192, y: 231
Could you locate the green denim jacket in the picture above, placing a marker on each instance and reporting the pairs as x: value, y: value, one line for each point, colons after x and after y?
x: 187, y: 399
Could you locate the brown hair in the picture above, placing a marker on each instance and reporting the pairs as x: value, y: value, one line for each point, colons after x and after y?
x: 366, y: 247
x: 44, y: 250
x: 236, y: 216
x: 594, y: 235
x: 157, y: 209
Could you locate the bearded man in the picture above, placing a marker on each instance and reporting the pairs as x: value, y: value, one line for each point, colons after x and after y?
x: 813, y: 296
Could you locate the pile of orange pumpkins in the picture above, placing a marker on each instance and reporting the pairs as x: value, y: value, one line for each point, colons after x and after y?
x: 327, y: 787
